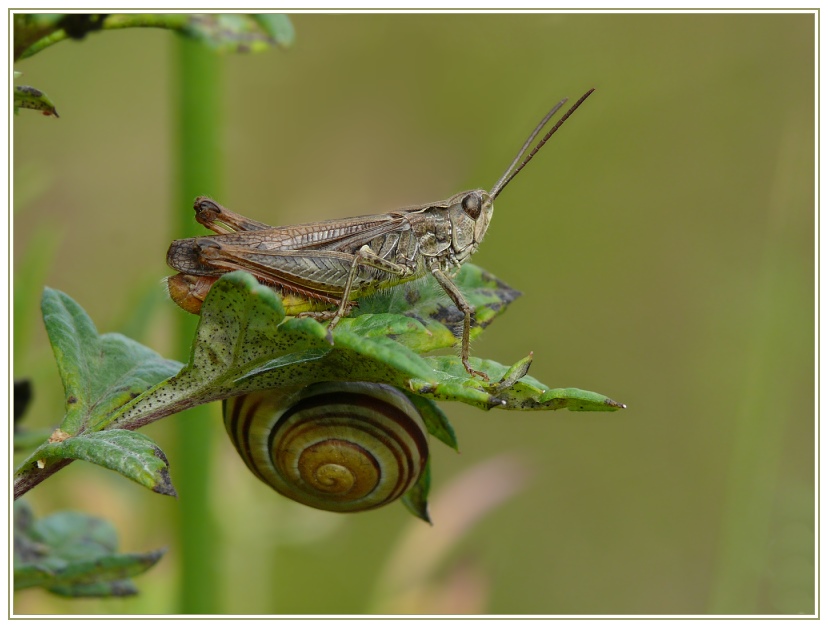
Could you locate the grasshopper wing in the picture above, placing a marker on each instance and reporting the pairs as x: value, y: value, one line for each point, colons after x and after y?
x: 312, y: 259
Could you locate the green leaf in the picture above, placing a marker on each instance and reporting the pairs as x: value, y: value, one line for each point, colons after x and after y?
x: 435, y: 420
x: 576, y: 400
x: 26, y: 97
x: 233, y: 32
x: 527, y: 393
x: 244, y: 343
x: 133, y: 455
x: 112, y: 588
x: 426, y: 303
x: 99, y: 373
x: 416, y: 499
x: 278, y: 26
x: 73, y: 554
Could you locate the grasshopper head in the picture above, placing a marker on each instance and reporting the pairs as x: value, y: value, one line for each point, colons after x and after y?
x: 470, y: 214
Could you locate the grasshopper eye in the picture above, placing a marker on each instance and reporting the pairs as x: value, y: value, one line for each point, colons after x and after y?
x: 472, y: 205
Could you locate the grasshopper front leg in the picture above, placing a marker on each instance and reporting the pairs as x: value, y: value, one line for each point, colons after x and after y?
x: 454, y: 292
x: 365, y: 256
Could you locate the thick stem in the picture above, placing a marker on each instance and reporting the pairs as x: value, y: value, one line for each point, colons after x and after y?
x: 199, y: 171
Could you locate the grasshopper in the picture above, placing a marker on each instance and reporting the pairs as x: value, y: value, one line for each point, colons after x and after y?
x: 330, y: 263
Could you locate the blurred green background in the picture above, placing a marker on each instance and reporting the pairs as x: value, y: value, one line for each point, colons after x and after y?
x: 664, y: 242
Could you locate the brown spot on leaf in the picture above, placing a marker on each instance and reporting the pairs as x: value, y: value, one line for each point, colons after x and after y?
x: 58, y: 436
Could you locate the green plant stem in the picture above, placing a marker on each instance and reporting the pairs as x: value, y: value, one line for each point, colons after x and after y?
x: 199, y: 170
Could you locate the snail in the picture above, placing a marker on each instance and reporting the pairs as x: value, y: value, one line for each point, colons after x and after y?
x: 338, y: 446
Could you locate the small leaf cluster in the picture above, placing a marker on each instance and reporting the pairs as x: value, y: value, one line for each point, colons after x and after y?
x: 74, y: 555
x: 34, y: 32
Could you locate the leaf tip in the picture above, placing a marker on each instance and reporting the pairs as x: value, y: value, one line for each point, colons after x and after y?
x: 164, y: 485
x: 418, y: 506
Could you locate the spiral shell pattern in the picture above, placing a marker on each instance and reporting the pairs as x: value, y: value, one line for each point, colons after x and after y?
x: 339, y: 446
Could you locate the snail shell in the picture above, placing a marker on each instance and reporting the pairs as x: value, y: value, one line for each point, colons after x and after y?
x: 339, y: 446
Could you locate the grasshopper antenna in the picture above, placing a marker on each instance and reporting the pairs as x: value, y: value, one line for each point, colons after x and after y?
x: 511, y: 171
